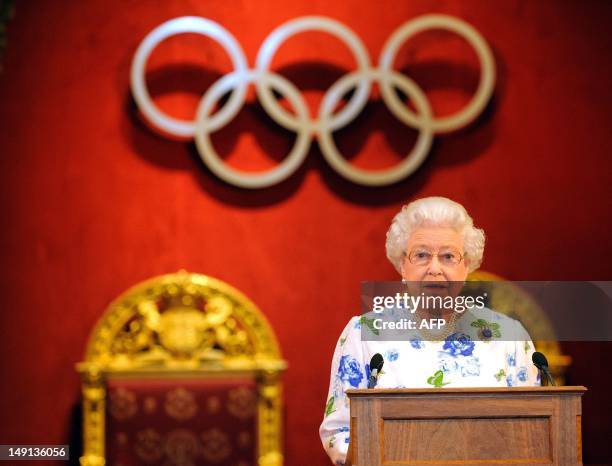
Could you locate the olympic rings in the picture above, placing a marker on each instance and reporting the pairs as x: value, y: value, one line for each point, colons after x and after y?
x: 301, y: 122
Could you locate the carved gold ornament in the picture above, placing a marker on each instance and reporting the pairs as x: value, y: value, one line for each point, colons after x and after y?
x: 180, y: 318
x: 178, y: 326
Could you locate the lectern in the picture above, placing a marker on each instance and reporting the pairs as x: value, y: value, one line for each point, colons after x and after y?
x: 517, y: 426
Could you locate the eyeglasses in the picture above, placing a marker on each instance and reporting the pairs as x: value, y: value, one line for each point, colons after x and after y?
x: 448, y: 257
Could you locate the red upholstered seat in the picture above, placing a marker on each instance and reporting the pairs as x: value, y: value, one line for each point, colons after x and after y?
x: 181, y: 422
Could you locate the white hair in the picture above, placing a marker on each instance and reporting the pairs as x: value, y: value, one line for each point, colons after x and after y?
x: 434, y: 211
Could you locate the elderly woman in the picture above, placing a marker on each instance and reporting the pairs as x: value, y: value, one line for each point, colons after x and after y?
x: 433, y: 242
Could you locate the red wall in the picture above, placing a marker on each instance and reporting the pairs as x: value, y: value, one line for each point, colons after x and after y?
x: 93, y: 202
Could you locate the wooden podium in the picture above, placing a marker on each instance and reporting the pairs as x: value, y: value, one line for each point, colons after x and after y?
x: 466, y: 426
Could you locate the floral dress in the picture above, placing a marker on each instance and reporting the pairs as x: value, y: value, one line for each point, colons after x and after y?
x: 474, y: 356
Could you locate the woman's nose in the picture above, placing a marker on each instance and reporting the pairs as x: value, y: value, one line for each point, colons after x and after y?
x: 434, y: 266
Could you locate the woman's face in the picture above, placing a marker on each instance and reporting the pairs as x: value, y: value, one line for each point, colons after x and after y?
x: 434, y: 254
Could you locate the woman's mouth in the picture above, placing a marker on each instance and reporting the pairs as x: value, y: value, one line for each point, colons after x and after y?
x: 437, y: 285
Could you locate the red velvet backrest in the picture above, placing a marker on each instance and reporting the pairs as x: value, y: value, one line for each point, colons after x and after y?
x: 180, y: 421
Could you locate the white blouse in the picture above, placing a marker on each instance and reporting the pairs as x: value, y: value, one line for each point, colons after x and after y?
x: 464, y: 359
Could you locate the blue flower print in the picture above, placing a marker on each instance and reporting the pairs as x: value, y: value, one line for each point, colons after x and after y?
x: 522, y: 374
x: 446, y: 364
x: 458, y: 344
x: 417, y: 343
x: 511, y: 360
x: 350, y: 371
x: 392, y: 355
x: 509, y: 381
x: 470, y: 367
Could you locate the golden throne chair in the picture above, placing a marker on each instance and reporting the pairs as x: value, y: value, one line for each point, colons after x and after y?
x: 182, y: 369
x: 511, y: 300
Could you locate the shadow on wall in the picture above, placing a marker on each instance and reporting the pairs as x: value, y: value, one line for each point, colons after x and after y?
x: 75, y: 433
x: 589, y: 368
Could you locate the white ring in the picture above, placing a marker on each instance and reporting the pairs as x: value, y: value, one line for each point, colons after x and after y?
x: 389, y: 175
x: 487, y: 71
x: 204, y: 127
x: 313, y: 23
x: 186, y: 24
x: 326, y: 122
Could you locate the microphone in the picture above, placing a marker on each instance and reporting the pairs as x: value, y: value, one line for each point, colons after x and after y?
x: 376, y: 364
x: 540, y: 361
